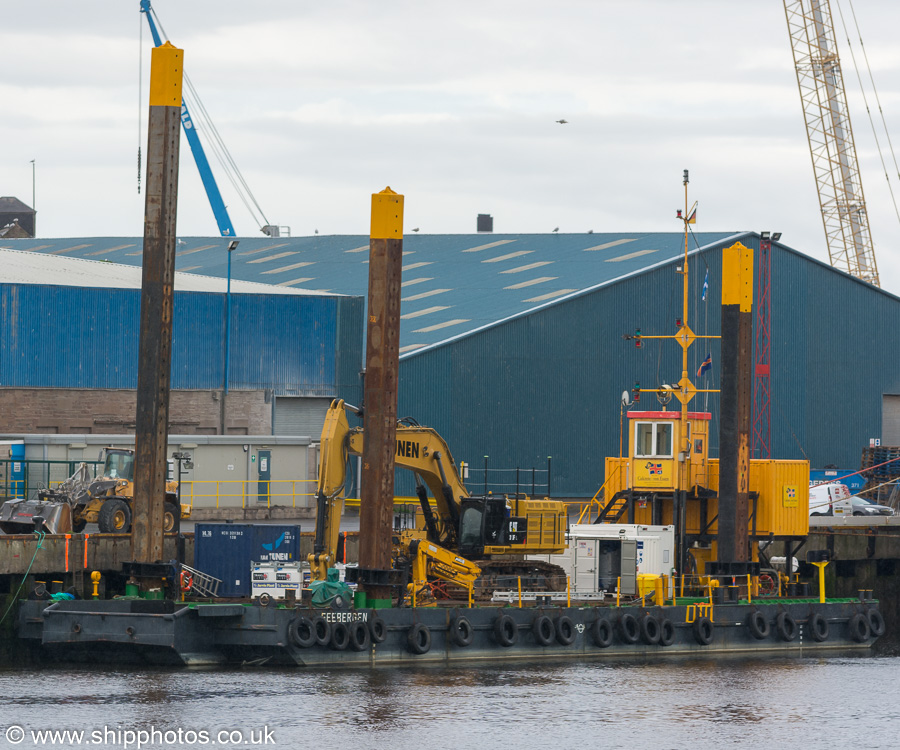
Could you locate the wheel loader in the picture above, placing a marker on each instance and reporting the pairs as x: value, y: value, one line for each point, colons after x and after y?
x: 80, y: 500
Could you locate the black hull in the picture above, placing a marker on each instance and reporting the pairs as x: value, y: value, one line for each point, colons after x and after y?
x: 209, y: 634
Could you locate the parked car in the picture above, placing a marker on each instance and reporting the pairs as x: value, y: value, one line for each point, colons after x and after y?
x: 863, y: 507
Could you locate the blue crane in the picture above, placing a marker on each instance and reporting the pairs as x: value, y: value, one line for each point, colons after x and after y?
x: 209, y: 182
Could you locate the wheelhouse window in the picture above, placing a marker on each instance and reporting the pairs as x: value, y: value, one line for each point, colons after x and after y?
x: 653, y: 439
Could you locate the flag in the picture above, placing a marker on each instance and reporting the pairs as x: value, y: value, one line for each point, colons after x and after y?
x: 705, y: 286
x: 692, y: 214
x: 705, y: 365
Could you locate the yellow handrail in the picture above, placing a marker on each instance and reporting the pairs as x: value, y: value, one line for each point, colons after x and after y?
x: 192, y: 491
x: 594, y: 499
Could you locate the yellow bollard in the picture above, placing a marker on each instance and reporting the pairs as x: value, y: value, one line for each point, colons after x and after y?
x: 95, y: 579
x: 821, y: 567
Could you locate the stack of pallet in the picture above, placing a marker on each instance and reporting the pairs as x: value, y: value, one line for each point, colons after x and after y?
x: 881, y: 465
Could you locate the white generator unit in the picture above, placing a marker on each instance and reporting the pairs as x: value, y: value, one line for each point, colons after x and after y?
x: 275, y: 579
x: 601, y: 556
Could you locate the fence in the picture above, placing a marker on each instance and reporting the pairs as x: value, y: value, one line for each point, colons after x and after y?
x: 232, y: 493
x: 38, y: 474
x: 531, y: 481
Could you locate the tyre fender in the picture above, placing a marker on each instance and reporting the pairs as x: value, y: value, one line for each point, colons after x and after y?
x: 377, y: 629
x: 360, y: 638
x: 786, y: 626
x: 461, y: 631
x: 322, y: 629
x: 565, y: 630
x: 666, y: 632
x: 301, y: 632
x: 649, y: 626
x: 703, y: 631
x: 602, y: 632
x: 505, y: 631
x: 759, y: 625
x: 340, y: 636
x: 858, y: 625
x: 818, y: 627
x: 876, y: 622
x: 419, y: 639
x: 629, y: 630
x: 543, y: 630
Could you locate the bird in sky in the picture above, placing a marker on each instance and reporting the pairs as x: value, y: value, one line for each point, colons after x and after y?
x: 563, y: 122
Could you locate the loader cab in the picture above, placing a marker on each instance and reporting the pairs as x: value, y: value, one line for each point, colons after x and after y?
x: 119, y: 464
x: 484, y: 522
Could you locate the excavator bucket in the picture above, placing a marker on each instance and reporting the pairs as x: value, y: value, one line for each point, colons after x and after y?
x: 18, y: 516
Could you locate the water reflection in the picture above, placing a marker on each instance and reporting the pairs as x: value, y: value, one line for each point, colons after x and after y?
x: 746, y: 703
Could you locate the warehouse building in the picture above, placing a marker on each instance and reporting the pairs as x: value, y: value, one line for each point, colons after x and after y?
x: 514, y: 346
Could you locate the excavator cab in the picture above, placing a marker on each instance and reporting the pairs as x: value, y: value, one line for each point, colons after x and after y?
x: 487, y: 522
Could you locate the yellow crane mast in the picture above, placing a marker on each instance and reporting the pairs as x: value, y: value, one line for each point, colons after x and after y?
x: 830, y: 138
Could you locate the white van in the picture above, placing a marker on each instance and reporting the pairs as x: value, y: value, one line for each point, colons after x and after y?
x: 833, y: 499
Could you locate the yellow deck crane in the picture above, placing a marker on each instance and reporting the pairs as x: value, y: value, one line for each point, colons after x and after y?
x: 830, y: 138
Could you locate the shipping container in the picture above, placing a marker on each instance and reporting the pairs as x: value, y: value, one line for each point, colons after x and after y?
x: 228, y: 551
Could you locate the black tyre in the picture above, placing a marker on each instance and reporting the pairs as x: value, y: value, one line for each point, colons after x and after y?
x: 322, y: 629
x: 301, y: 632
x: 876, y: 622
x: 666, y: 632
x: 377, y: 629
x: 360, y: 638
x: 78, y: 525
x: 858, y: 625
x: 818, y: 627
x: 114, y: 517
x: 171, y: 518
x: 786, y: 626
x: 505, y: 631
x: 340, y: 636
x: 419, y: 639
x: 461, y: 632
x: 649, y: 630
x: 602, y: 633
x: 565, y: 630
x: 759, y: 625
x: 629, y: 630
x: 703, y: 631
x: 543, y: 630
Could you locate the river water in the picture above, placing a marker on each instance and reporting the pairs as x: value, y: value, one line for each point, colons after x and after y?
x: 834, y: 702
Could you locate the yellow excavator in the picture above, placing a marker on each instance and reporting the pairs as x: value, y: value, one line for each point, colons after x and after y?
x: 477, y: 542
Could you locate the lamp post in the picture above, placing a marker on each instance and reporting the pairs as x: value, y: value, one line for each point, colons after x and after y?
x: 33, y: 207
x: 231, y: 247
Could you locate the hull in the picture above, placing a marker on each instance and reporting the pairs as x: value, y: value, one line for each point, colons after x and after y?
x: 165, y: 633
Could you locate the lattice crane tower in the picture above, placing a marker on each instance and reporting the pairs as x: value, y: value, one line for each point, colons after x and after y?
x: 831, y: 138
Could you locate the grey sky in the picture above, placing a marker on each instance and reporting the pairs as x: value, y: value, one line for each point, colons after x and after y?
x: 452, y: 104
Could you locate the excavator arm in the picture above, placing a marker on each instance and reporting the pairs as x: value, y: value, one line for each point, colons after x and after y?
x: 419, y: 449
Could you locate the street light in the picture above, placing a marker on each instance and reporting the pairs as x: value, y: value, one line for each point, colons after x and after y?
x: 231, y: 247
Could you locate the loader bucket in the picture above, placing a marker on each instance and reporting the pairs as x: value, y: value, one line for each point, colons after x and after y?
x: 17, y: 516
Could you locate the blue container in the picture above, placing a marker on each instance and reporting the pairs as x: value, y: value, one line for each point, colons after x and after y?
x: 854, y: 483
x: 227, y: 551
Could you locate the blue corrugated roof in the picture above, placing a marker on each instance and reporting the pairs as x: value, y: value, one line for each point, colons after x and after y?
x: 452, y: 284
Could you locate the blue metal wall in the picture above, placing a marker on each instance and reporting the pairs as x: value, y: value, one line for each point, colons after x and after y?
x: 549, y: 384
x: 73, y: 337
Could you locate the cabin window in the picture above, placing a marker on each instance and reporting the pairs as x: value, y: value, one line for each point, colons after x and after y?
x: 653, y: 439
